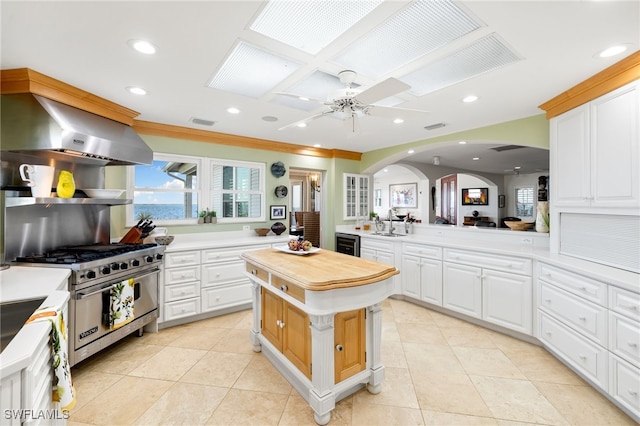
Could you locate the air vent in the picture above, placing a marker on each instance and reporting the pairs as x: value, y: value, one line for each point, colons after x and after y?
x: 434, y: 126
x: 507, y: 147
x: 202, y: 121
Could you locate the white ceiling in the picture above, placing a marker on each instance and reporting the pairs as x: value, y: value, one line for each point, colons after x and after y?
x: 85, y: 44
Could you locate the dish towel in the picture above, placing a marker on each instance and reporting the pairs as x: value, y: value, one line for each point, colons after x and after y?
x: 63, y: 390
x: 121, y: 304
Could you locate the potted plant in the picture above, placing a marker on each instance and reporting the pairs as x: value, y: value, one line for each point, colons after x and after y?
x: 144, y: 216
x: 201, y: 216
x: 212, y: 217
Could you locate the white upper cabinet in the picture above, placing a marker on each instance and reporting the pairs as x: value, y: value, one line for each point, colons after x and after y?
x: 356, y: 196
x: 594, y: 152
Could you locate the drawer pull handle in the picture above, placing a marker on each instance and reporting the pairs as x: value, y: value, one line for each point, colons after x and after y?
x: 632, y: 307
x: 582, y: 357
x: 339, y: 348
x: 254, y: 272
x: 548, y: 333
x: 281, y: 324
x: 547, y: 300
x: 582, y: 318
x: 284, y: 287
x: 633, y: 392
x: 633, y: 344
x: 278, y: 323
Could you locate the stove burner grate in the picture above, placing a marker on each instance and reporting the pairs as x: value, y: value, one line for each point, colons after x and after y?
x: 79, y: 254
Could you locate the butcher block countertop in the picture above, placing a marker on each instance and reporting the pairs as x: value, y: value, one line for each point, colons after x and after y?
x: 322, y: 270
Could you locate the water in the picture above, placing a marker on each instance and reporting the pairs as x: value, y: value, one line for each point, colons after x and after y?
x: 164, y: 211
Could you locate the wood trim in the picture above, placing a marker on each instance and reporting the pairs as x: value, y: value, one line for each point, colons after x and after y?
x: 25, y: 80
x: 178, y: 132
x: 607, y: 80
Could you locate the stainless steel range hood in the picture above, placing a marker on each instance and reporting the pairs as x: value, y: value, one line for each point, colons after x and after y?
x: 40, y: 126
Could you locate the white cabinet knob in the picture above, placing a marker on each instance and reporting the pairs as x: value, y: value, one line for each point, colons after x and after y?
x: 633, y: 344
x: 547, y: 300
x: 582, y: 318
x: 633, y: 392
x: 582, y: 357
x: 284, y: 287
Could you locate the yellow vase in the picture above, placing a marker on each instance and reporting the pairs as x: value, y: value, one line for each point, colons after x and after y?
x: 66, y: 185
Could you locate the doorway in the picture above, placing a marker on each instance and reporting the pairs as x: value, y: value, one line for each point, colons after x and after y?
x: 305, y: 189
x: 448, y: 197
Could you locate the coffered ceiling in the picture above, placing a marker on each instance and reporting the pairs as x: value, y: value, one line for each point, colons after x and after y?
x: 212, y: 55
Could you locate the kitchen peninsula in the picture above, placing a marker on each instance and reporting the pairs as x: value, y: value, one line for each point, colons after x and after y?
x: 317, y: 318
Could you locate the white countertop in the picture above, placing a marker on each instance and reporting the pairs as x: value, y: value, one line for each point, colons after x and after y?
x: 24, y: 283
x: 222, y: 239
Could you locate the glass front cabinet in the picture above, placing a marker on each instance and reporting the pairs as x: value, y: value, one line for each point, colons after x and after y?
x: 356, y: 196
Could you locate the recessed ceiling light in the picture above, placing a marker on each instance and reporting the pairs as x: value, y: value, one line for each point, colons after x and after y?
x: 470, y: 98
x: 613, y: 50
x: 142, y: 46
x: 233, y: 110
x: 270, y: 118
x: 475, y: 158
x: 398, y: 121
x: 301, y: 125
x: 136, y: 90
x: 410, y: 151
x: 517, y: 168
x: 462, y: 142
x: 317, y: 145
x: 385, y: 170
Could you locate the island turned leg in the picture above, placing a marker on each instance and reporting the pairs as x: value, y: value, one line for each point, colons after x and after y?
x: 321, y: 397
x: 256, y: 305
x: 377, y: 369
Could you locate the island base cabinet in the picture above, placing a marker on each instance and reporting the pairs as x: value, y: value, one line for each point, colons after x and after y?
x: 350, y: 344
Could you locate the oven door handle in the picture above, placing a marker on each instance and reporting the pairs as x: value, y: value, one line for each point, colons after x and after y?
x: 80, y: 296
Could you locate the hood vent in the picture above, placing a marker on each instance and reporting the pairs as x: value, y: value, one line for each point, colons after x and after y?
x: 39, y: 126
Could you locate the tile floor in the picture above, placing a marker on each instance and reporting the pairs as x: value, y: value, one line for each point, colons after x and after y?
x: 439, y: 371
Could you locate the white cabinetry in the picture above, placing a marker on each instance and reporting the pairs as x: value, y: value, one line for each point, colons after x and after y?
x: 495, y: 288
x: 181, y: 285
x: 595, y: 155
x: 595, y: 328
x: 356, y: 196
x: 376, y: 250
x: 422, y: 272
x: 10, y: 390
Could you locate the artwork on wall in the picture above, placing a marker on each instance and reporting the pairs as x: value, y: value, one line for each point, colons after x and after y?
x: 278, y: 212
x: 501, y: 201
x: 404, y: 195
x: 475, y: 196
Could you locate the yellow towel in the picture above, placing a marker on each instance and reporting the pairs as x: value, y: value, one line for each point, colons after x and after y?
x: 121, y: 304
x: 63, y: 390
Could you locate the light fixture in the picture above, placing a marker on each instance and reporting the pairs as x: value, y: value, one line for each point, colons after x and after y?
x: 301, y: 125
x: 475, y: 158
x: 613, y: 50
x: 462, y: 142
x: 317, y: 145
x: 136, y: 90
x: 398, y: 121
x: 314, y: 183
x: 142, y: 46
x: 411, y: 151
x: 436, y: 160
x: 233, y: 110
x: 469, y: 99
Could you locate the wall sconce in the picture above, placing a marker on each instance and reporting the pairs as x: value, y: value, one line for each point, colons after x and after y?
x: 436, y: 160
x: 314, y: 183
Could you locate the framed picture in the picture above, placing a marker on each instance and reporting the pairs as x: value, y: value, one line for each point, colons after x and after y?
x: 501, y: 201
x: 475, y: 197
x: 404, y: 195
x: 278, y: 212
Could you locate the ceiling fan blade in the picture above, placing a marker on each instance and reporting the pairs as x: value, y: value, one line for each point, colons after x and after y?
x: 306, y: 120
x: 389, y: 87
x: 392, y: 112
x: 301, y: 97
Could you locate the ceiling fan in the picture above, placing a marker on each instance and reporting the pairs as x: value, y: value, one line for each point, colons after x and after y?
x: 353, y: 103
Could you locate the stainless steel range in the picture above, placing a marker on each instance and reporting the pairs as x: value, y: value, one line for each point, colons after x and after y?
x: 95, y: 271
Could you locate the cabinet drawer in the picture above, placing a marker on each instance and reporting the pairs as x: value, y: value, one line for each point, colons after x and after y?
x: 624, y: 338
x: 376, y: 244
x: 587, y: 357
x: 181, y: 309
x: 257, y: 272
x: 181, y: 275
x: 430, y: 252
x: 624, y: 302
x: 221, y: 297
x: 586, y: 317
x: 592, y: 290
x: 181, y: 258
x: 624, y: 384
x: 516, y: 265
x: 181, y: 291
x: 286, y: 287
x: 220, y: 273
x: 228, y: 253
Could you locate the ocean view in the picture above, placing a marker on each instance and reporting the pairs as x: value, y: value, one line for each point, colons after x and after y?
x: 163, y: 211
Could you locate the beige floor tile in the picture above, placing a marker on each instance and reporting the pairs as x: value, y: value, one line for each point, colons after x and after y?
x: 392, y: 354
x: 396, y: 390
x: 408, y: 312
x: 241, y: 407
x: 539, y: 365
x: 123, y: 402
x: 383, y: 415
x: 487, y: 362
x: 297, y: 412
x: 474, y: 337
x: 89, y: 384
x: 261, y: 375
x: 519, y: 400
x: 226, y: 321
x: 164, y: 336
x: 236, y: 340
x: 426, y: 333
x: 448, y: 321
x: 184, y: 404
x: 203, y: 338
x: 217, y: 369
x: 72, y: 423
x: 510, y: 344
x: 122, y: 358
x: 390, y: 332
x: 583, y: 405
x: 246, y: 321
x: 169, y: 364
x: 426, y: 357
x: 449, y: 392
x: 436, y: 418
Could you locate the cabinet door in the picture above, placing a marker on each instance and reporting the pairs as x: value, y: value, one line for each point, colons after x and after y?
x: 349, y: 343
x: 356, y: 196
x: 431, y: 281
x: 615, y: 155
x: 462, y: 289
x: 296, y: 337
x: 411, y: 276
x: 271, y: 318
x: 570, y: 157
x: 508, y: 300
x: 368, y: 254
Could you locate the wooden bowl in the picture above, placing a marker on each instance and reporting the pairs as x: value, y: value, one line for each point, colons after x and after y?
x: 164, y: 240
x: 262, y: 232
x: 519, y: 225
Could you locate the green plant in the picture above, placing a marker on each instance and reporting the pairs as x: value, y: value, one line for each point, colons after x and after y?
x: 144, y: 216
x: 203, y: 213
x: 212, y: 213
x: 372, y: 215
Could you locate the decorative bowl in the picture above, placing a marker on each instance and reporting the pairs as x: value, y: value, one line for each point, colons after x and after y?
x: 518, y: 225
x: 278, y: 228
x: 262, y: 232
x: 164, y: 240
x: 104, y: 193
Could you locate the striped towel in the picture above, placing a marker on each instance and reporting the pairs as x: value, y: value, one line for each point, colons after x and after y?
x: 63, y: 390
x: 121, y: 304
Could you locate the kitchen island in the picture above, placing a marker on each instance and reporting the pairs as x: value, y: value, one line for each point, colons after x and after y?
x: 318, y: 318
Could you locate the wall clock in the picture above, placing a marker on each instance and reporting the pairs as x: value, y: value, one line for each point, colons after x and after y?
x: 278, y: 169
x: 281, y: 191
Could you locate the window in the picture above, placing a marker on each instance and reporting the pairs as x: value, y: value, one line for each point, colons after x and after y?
x: 524, y: 201
x: 170, y: 190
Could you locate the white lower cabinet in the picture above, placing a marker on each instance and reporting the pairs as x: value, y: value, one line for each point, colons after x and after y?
x: 624, y: 384
x: 10, y: 401
x: 462, y: 289
x: 507, y: 300
x: 181, y: 285
x: 422, y: 273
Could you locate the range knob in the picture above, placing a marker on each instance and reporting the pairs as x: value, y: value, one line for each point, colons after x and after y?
x: 135, y: 262
x: 91, y: 274
x: 123, y: 265
x: 148, y: 259
x: 159, y: 256
x: 105, y: 270
x: 115, y: 266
